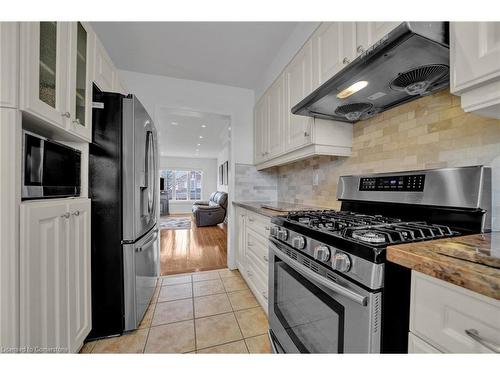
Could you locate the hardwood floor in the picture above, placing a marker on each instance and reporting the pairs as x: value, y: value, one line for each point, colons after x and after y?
x: 192, y: 250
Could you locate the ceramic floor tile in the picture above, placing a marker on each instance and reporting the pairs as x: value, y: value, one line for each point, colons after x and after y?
x: 172, y: 280
x: 216, y: 330
x: 88, y: 347
x: 156, y: 293
x: 128, y: 343
x: 173, y: 292
x: 252, y: 322
x: 203, y: 276
x: 173, y: 311
x: 232, y: 284
x: 242, y: 299
x: 171, y: 338
x: 229, y: 273
x: 211, y: 305
x: 204, y: 288
x: 148, y: 317
x: 236, y: 347
x: 259, y: 344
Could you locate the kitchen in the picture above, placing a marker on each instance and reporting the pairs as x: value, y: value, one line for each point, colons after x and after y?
x: 362, y: 215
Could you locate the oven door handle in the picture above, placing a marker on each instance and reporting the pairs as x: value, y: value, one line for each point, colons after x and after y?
x: 343, y: 291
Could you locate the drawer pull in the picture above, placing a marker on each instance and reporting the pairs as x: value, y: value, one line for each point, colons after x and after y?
x: 250, y: 244
x: 264, y: 294
x: 265, y: 258
x: 251, y: 220
x: 249, y: 274
x: 268, y: 227
x: 474, y: 334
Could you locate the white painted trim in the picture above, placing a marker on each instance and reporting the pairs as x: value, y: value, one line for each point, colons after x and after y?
x: 10, y: 198
x: 9, y: 64
x: 306, y: 152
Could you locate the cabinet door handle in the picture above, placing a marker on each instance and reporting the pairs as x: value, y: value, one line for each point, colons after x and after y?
x: 249, y: 273
x: 360, y: 49
x: 76, y: 213
x: 250, y: 244
x: 306, y: 134
x: 265, y: 258
x: 76, y: 121
x: 264, y: 294
x: 251, y: 220
x: 66, y: 215
x: 346, y: 61
x: 66, y: 114
x: 474, y: 334
x: 267, y: 227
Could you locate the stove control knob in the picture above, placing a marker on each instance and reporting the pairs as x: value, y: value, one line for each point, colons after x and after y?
x: 274, y: 231
x: 321, y: 253
x: 299, y: 242
x: 341, y: 262
x: 282, y: 234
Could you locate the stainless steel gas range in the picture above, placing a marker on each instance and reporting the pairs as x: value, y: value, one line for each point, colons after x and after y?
x: 330, y: 288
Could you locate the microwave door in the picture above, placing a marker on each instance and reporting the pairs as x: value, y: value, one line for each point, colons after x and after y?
x: 32, y: 166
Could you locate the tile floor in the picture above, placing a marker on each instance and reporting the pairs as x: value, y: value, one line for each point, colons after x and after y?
x: 203, y: 312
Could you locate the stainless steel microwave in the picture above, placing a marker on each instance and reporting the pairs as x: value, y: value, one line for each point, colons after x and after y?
x: 49, y: 169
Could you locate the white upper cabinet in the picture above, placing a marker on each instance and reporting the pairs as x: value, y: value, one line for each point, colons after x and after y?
x: 475, y: 66
x: 261, y: 121
x: 9, y: 64
x: 44, y: 64
x: 334, y: 47
x: 104, y: 70
x: 79, y: 79
x: 56, y: 75
x: 276, y: 102
x: 368, y: 33
x: 475, y: 53
x: 298, y: 84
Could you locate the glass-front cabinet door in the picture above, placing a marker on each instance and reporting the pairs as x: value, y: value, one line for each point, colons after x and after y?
x: 44, y: 62
x: 79, y: 80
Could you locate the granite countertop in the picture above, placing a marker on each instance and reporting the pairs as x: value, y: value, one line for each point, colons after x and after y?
x: 472, y: 262
x: 284, y: 207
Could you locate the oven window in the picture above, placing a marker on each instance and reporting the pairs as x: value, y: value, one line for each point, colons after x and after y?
x: 312, y: 318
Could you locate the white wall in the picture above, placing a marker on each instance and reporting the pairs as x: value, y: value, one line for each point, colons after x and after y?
x: 284, y: 55
x: 158, y: 91
x: 209, y: 185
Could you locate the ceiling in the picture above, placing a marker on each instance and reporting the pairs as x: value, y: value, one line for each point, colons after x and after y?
x: 180, y: 131
x: 227, y: 53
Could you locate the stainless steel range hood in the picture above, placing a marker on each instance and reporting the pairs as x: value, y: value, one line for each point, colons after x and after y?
x: 409, y: 62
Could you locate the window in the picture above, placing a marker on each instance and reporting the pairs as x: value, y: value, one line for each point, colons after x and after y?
x: 182, y: 185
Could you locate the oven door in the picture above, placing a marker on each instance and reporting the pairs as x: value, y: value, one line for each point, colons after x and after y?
x: 318, y: 311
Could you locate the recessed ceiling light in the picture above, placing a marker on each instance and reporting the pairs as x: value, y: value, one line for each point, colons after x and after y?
x: 354, y: 88
x: 201, y: 137
x: 197, y: 150
x: 174, y: 123
x: 229, y: 128
x: 199, y: 144
x: 203, y: 126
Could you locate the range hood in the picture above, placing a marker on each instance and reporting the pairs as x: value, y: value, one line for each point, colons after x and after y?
x: 409, y: 62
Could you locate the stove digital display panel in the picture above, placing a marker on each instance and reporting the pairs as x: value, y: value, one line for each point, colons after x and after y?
x: 393, y: 183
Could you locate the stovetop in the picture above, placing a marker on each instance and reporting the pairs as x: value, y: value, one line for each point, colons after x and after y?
x: 371, y: 230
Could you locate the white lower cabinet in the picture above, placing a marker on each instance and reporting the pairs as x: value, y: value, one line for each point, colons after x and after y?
x: 452, y: 319
x: 253, y: 253
x: 55, y: 296
x: 418, y: 346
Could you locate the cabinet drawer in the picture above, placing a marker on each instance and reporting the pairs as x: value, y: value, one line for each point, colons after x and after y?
x: 258, y: 285
x: 441, y: 312
x: 418, y: 346
x: 259, y: 223
x: 257, y: 247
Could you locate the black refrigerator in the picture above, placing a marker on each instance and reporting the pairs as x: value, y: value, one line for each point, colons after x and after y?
x: 123, y: 188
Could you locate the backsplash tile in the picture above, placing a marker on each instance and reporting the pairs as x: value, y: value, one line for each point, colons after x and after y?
x: 254, y: 185
x: 432, y: 132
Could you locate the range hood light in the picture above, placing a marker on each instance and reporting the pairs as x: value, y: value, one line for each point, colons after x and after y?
x: 354, y: 88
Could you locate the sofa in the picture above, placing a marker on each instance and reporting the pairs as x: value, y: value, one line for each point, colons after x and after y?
x: 211, y: 212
